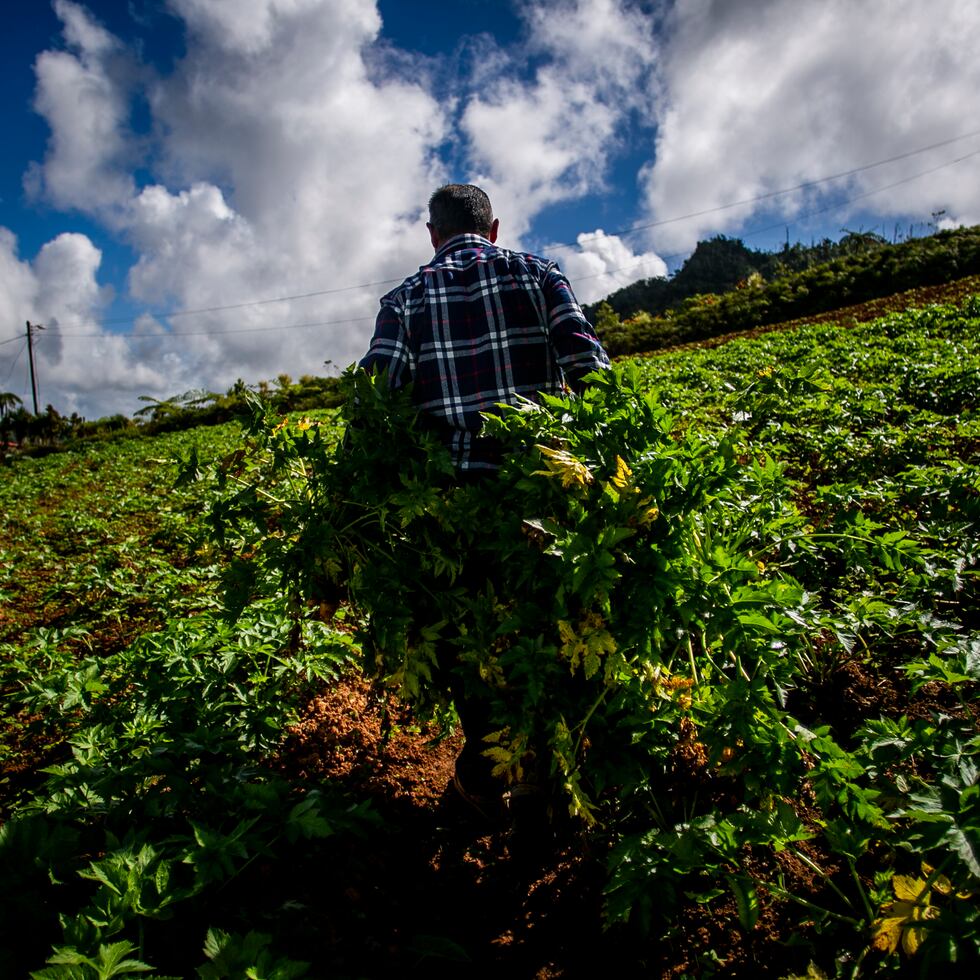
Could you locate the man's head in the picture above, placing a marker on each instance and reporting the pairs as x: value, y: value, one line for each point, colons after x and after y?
x: 459, y: 209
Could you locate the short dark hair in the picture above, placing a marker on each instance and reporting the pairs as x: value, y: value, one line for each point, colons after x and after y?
x: 457, y: 209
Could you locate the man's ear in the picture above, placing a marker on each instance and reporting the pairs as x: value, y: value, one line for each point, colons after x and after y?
x: 494, y: 228
x: 433, y: 235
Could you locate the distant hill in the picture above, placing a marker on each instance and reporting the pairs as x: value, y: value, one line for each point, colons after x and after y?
x: 725, y: 287
x: 719, y: 264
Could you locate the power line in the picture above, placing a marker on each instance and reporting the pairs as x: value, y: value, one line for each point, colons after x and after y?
x: 792, y: 190
x: 253, y: 302
x: 606, y: 272
x: 215, y: 333
x: 17, y: 356
x: 554, y: 247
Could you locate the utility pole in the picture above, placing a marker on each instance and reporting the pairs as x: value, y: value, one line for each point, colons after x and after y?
x: 30, y: 357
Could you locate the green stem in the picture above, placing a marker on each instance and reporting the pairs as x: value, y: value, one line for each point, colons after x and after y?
x: 784, y: 893
x: 690, y: 655
x: 586, y: 719
x: 737, y: 661
x: 859, y: 962
x: 869, y: 911
x: 826, y: 877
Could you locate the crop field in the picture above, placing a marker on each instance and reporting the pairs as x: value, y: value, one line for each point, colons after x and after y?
x: 724, y: 607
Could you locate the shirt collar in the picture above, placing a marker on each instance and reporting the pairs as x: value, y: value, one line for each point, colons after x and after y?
x: 466, y: 240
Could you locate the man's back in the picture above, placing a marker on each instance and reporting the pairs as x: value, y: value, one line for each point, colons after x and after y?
x: 477, y: 326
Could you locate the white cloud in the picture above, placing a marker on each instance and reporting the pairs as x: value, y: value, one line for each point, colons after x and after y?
x: 604, y: 263
x: 82, y: 93
x: 291, y: 150
x: 290, y: 154
x: 534, y: 143
x: 80, y: 366
x: 17, y: 288
x: 771, y: 94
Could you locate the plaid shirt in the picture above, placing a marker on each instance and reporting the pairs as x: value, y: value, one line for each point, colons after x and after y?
x: 477, y: 326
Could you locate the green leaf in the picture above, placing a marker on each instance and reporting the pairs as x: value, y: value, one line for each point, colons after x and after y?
x: 746, y: 901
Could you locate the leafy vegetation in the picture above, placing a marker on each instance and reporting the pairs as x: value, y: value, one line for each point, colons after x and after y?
x: 724, y: 604
x: 723, y: 287
x: 28, y: 434
x: 721, y: 264
x: 138, y: 721
x: 679, y: 594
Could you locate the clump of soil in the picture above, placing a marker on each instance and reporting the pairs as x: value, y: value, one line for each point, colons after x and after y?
x: 855, y: 693
x: 370, y: 744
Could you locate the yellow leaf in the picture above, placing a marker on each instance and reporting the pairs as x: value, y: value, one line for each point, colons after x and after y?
x: 912, y: 937
x: 623, y: 474
x: 903, y: 910
x: 649, y: 512
x: 580, y: 805
x: 941, y: 884
x: 561, y: 463
x: 887, y: 933
x: 909, y: 889
x: 566, y: 632
x: 588, y: 647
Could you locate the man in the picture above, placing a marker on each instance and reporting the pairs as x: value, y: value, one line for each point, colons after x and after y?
x: 479, y: 326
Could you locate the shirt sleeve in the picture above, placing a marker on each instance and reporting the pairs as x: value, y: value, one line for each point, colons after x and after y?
x: 389, y: 348
x: 577, y: 348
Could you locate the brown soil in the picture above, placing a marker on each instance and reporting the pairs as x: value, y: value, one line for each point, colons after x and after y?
x: 855, y: 693
x: 434, y: 890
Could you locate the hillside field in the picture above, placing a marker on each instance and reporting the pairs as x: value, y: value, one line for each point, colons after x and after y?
x: 738, y: 627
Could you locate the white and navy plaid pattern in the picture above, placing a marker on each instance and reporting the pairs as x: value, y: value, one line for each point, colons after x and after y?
x: 477, y: 326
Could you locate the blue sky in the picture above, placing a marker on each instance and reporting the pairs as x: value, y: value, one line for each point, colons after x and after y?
x: 192, y: 189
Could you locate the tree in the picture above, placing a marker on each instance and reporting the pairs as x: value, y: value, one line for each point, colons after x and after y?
x: 8, y: 402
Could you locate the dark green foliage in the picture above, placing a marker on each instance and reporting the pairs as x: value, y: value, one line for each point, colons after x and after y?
x: 732, y: 288
x: 156, y: 790
x: 39, y: 435
x: 720, y: 264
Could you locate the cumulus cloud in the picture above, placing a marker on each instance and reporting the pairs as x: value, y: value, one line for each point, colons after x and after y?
x: 83, y: 92
x: 534, y: 143
x: 291, y: 154
x: 605, y: 263
x: 80, y: 366
x: 272, y: 145
x: 761, y: 96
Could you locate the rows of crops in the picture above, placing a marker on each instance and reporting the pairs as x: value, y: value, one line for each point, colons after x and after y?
x: 737, y: 635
